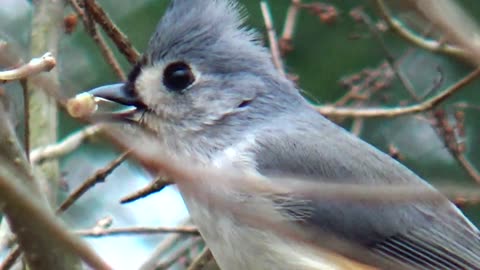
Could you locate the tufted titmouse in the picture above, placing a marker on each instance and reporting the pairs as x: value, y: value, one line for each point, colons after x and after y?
x: 208, y: 90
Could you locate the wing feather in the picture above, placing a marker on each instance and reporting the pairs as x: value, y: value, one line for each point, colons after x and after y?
x: 420, y: 235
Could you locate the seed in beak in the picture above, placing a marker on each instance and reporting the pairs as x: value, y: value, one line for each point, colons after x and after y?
x: 82, y: 105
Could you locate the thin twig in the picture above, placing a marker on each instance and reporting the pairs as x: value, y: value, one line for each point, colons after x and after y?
x: 26, y: 116
x: 11, y: 258
x: 156, y: 186
x: 120, y: 39
x: 357, y: 126
x: 7, y: 238
x: 272, y: 37
x: 446, y: 132
x: 91, y: 28
x: 178, y: 254
x: 454, y: 23
x: 201, y: 260
x: 67, y: 145
x: 100, y: 232
x: 334, y: 111
x: 285, y: 42
x: 469, y: 168
x: 98, y: 177
x: 165, y: 245
x: 35, y: 66
x: 389, y: 57
x: 403, y: 31
x: 291, y: 20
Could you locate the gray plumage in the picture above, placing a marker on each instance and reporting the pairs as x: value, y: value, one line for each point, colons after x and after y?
x: 425, y: 235
x: 240, y: 112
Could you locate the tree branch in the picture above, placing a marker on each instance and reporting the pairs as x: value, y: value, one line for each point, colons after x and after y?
x: 272, y: 37
x: 98, y: 177
x: 35, y: 66
x: 119, y: 38
x: 334, y: 111
x: 47, y: 25
x: 65, y: 146
x: 45, y: 243
x: 432, y: 45
x: 99, y: 232
x: 156, y: 186
x: 92, y: 30
x: 201, y: 260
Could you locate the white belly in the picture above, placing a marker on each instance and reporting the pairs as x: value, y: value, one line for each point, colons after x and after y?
x: 240, y: 247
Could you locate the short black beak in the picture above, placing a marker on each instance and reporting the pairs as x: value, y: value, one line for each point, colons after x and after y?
x: 119, y: 93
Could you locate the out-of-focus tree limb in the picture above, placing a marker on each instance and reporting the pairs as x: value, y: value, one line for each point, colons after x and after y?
x: 66, y: 146
x: 42, y: 113
x: 201, y: 260
x: 447, y: 17
x: 36, y: 65
x: 101, y: 232
x: 451, y: 20
x: 403, y: 31
x: 41, y: 121
x: 42, y: 239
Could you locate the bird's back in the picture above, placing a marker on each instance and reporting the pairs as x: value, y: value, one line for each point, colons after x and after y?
x: 425, y: 234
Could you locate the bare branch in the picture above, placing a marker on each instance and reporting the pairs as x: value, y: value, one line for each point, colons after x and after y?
x: 99, y: 232
x: 178, y: 254
x: 201, y: 260
x: 46, y: 32
x: 120, y: 40
x: 334, y: 111
x: 66, y: 146
x: 389, y: 57
x: 45, y: 243
x: 432, y: 45
x: 26, y: 116
x: 11, y: 258
x: 91, y: 28
x: 285, y: 42
x: 156, y: 186
x: 447, y: 134
x: 164, y: 247
x: 272, y: 37
x: 98, y: 177
x: 457, y: 26
x: 35, y: 66
x: 43, y: 229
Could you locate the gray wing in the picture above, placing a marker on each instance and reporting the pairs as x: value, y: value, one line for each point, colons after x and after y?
x: 427, y: 235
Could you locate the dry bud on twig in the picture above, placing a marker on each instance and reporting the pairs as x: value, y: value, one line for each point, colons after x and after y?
x: 36, y: 65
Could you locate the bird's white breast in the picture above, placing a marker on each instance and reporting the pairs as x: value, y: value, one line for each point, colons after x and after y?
x: 238, y: 246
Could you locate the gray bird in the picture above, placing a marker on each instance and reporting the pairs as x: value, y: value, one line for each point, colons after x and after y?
x: 207, y: 89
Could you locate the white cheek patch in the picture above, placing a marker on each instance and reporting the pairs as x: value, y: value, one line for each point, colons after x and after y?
x: 150, y: 87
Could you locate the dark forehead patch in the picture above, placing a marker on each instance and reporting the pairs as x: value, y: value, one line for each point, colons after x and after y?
x: 135, y: 72
x: 129, y: 86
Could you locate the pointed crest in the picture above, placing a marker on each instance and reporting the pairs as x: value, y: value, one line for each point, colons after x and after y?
x: 199, y: 27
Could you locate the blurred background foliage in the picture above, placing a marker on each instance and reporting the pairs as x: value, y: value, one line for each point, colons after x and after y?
x: 323, y: 54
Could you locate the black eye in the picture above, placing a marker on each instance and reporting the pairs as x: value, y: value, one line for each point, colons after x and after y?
x: 178, y: 76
